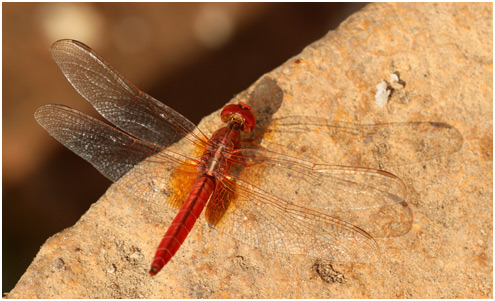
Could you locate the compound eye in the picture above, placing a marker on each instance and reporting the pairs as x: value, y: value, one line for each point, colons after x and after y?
x: 243, y: 111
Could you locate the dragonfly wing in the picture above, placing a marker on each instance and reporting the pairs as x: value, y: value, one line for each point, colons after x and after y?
x: 270, y: 223
x: 117, y: 99
x: 287, y: 205
x: 387, y: 143
x: 331, y: 186
x: 108, y: 149
x: 371, y: 199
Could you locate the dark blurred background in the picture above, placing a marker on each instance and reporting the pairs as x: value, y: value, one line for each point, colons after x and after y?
x: 194, y: 57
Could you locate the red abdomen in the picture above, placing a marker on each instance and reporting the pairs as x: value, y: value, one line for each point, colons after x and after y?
x: 183, y: 222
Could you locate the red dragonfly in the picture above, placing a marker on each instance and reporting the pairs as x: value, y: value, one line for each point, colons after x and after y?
x: 318, y: 210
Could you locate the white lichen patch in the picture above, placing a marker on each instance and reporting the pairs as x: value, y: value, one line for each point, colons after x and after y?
x: 382, y: 94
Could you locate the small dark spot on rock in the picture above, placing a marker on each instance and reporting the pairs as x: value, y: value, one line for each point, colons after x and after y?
x: 368, y: 139
x: 440, y: 125
x: 400, y: 81
x: 240, y: 260
x: 60, y: 264
x: 327, y: 273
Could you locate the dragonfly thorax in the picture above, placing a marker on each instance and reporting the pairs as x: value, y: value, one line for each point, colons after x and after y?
x: 215, y: 158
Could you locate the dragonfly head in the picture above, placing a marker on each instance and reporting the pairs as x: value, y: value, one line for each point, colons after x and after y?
x: 240, y: 114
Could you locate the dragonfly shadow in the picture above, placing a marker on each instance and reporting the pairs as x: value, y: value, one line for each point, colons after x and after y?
x: 265, y: 99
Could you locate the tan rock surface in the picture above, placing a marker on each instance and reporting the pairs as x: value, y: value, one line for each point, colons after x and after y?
x: 443, y: 53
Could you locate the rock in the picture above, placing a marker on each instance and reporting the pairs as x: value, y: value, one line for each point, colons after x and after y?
x: 443, y: 53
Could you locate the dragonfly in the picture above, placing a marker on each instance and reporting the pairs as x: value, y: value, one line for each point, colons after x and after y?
x: 270, y: 200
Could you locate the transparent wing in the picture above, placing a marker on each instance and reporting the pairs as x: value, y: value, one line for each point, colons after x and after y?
x: 272, y: 224
x: 388, y: 143
x: 118, y: 100
x: 108, y: 149
x: 286, y: 205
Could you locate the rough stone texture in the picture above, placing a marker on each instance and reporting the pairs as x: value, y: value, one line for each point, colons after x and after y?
x: 443, y: 52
